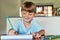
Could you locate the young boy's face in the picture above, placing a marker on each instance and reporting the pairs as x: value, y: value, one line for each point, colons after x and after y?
x: 27, y: 16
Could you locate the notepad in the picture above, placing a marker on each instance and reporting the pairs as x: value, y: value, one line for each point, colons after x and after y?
x: 16, y: 37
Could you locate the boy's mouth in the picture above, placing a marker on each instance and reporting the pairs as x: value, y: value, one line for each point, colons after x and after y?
x: 26, y: 18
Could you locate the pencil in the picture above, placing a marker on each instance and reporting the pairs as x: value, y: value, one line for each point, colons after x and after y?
x: 10, y: 22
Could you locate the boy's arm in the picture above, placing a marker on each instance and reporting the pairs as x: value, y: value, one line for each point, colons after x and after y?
x: 42, y: 32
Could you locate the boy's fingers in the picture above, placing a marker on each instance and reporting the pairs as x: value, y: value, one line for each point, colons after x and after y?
x: 12, y: 32
x: 36, y: 35
x: 33, y: 34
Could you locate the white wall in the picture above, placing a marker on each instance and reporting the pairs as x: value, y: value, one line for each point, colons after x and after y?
x: 50, y: 24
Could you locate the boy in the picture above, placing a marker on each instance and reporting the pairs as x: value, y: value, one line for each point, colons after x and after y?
x: 27, y: 25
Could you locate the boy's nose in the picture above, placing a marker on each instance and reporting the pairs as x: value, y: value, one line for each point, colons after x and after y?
x: 27, y: 14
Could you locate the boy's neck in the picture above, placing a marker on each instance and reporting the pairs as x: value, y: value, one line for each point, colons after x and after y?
x: 27, y: 24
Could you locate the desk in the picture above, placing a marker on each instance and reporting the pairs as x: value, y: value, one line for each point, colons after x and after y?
x: 28, y: 37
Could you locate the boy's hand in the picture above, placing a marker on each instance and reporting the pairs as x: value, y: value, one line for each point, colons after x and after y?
x: 36, y: 35
x: 12, y: 32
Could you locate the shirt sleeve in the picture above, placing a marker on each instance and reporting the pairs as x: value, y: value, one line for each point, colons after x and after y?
x: 39, y: 27
x: 16, y: 25
x: 36, y: 26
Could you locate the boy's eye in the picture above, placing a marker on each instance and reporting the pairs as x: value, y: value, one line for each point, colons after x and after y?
x: 23, y: 13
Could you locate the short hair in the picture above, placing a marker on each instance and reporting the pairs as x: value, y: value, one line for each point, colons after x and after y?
x: 29, y: 6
